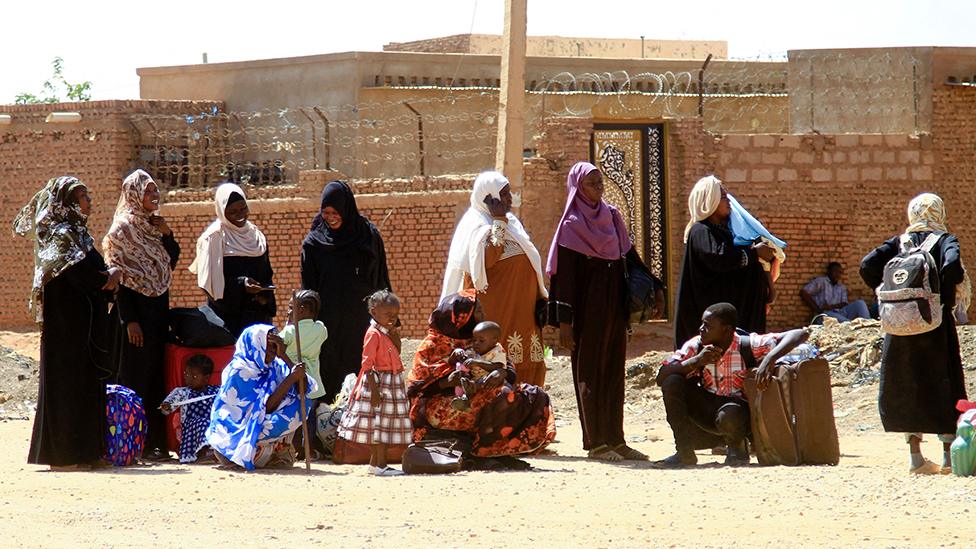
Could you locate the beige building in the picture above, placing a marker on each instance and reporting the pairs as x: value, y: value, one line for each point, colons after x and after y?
x: 564, y: 46
x: 430, y: 107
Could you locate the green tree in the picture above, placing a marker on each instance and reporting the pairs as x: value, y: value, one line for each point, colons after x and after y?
x: 52, y: 88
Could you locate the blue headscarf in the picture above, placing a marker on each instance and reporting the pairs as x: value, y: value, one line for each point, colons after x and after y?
x: 238, y: 421
x: 747, y: 228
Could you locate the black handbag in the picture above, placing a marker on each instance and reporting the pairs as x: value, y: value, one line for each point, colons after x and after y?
x: 551, y: 313
x: 642, y: 289
x: 431, y: 457
x: 198, y: 327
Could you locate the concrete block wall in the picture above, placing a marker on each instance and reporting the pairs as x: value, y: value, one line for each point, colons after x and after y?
x: 832, y: 197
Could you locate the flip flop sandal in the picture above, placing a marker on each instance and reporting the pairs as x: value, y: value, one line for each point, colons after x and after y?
x: 604, y: 453
x: 630, y: 454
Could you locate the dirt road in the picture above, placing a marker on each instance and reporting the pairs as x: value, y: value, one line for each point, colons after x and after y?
x: 868, y: 500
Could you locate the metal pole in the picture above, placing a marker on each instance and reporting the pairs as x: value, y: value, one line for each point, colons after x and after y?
x: 701, y: 86
x: 315, y: 154
x: 328, y: 146
x: 420, y: 134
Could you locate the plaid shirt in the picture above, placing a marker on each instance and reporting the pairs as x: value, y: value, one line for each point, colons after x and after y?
x: 725, y: 378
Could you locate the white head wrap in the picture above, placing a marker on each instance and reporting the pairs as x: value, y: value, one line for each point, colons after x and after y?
x: 703, y: 200
x: 467, y: 255
x: 223, y: 238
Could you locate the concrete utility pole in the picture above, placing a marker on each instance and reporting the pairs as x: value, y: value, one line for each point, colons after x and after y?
x: 508, y: 154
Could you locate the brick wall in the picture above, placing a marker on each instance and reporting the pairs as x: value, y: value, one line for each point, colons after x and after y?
x: 832, y: 197
x: 415, y: 216
x: 458, y: 43
x: 100, y: 150
x: 562, y: 142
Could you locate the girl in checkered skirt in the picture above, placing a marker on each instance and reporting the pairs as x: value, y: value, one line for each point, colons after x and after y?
x: 378, y: 411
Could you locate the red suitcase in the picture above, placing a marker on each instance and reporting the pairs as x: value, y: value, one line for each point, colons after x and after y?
x: 176, y: 358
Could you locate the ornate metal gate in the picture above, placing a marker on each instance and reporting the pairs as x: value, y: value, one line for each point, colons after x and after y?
x: 631, y: 158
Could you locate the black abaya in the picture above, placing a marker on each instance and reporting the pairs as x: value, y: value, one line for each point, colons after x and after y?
x: 715, y: 270
x: 69, y: 427
x: 239, y: 309
x: 595, y: 289
x: 142, y: 368
x: 921, y: 375
x: 343, y: 277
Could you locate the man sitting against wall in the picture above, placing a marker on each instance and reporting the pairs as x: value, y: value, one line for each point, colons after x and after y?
x: 828, y: 295
x: 702, y: 385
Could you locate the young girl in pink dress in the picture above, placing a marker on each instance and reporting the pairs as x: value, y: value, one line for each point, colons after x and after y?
x: 378, y: 412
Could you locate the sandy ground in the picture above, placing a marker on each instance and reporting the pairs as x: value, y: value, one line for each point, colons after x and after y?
x: 868, y: 500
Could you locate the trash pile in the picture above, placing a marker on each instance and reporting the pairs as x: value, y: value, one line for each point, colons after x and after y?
x: 18, y: 385
x: 852, y: 348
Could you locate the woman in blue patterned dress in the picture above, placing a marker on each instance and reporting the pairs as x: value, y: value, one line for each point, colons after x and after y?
x: 257, y: 410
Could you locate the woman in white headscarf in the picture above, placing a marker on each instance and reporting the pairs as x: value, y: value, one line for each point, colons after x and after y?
x: 715, y: 269
x: 492, y: 253
x: 233, y: 266
x: 921, y: 375
x: 142, y: 246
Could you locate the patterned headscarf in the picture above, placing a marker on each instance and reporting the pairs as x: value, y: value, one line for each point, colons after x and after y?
x: 927, y: 212
x: 238, y: 420
x: 134, y: 245
x: 454, y: 316
x: 58, y: 228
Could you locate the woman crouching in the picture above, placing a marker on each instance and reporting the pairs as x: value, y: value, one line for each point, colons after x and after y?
x: 258, y: 408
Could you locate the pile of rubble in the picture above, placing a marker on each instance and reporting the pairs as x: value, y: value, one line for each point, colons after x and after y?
x: 18, y: 385
x: 852, y: 348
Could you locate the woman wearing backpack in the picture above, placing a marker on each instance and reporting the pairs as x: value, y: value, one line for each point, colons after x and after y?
x: 921, y: 374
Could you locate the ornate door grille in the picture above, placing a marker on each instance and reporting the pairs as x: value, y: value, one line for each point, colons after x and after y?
x: 631, y: 158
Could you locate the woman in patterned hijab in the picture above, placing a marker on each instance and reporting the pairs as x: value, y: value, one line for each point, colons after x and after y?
x: 141, y: 245
x: 56, y: 222
x: 70, y: 294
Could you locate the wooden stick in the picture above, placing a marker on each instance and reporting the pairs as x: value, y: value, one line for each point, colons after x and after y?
x: 301, y: 382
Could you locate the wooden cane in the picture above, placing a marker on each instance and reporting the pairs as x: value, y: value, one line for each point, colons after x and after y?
x: 301, y: 382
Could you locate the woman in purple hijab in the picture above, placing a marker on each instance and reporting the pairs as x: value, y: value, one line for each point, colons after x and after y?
x: 587, y: 265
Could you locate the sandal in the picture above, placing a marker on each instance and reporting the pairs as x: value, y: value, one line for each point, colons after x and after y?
x: 604, y: 453
x: 927, y: 468
x: 70, y: 468
x: 630, y: 454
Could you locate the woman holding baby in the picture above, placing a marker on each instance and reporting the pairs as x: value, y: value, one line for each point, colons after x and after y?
x: 492, y: 253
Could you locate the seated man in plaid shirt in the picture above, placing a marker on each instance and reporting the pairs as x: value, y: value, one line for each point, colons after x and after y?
x: 702, y: 385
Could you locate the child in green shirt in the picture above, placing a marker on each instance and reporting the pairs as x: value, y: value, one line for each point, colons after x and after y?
x: 305, y: 306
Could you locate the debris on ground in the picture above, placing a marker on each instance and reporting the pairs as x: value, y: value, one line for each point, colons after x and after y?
x: 18, y: 384
x: 852, y: 348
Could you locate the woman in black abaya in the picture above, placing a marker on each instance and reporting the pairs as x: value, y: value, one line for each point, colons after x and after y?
x: 71, y: 291
x: 715, y: 270
x: 343, y: 259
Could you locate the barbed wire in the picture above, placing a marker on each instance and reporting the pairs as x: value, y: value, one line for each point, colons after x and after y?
x: 434, y: 130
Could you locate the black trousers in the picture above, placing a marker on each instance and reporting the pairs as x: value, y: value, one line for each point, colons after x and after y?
x: 701, y: 419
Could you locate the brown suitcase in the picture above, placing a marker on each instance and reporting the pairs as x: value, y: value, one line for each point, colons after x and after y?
x: 793, y: 419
